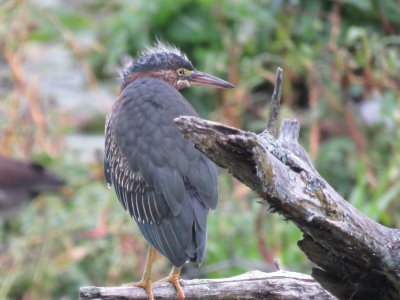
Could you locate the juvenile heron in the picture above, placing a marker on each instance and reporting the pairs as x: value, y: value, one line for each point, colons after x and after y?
x: 164, y: 183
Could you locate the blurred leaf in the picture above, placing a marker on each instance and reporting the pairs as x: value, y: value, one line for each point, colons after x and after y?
x: 365, y: 5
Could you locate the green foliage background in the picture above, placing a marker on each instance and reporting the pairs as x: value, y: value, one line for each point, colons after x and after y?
x: 338, y: 57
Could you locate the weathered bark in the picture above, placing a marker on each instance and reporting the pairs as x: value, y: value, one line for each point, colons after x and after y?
x: 280, y: 285
x: 357, y: 258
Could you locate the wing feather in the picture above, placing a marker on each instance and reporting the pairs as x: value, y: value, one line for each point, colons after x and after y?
x: 164, y: 183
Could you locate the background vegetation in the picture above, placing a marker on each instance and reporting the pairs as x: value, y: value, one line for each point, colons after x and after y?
x: 58, y: 78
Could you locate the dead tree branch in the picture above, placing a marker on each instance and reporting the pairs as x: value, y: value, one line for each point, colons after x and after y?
x: 356, y: 257
x: 275, y: 103
x: 251, y: 285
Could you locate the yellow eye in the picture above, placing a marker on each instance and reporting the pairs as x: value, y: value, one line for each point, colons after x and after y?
x: 180, y: 71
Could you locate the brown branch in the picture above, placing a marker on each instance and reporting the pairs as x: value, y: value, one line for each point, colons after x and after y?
x: 335, y: 25
x: 266, y: 254
x: 315, y: 89
x: 81, y: 53
x: 356, y: 257
x: 32, y: 97
x: 387, y: 26
x: 251, y: 285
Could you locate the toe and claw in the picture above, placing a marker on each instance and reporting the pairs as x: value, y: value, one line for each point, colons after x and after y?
x: 143, y: 284
x: 174, y: 278
x: 146, y: 283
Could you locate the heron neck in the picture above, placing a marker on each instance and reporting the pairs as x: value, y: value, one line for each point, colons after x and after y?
x: 162, y: 75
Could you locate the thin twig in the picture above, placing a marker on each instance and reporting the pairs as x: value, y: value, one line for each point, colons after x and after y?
x: 275, y: 103
x: 31, y: 93
x: 315, y: 88
x: 80, y: 52
x: 266, y: 254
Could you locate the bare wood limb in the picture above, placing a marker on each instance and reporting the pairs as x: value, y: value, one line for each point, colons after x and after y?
x: 356, y: 256
x: 275, y: 103
x: 251, y: 285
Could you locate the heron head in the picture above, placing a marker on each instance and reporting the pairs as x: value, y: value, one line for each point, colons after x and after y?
x: 168, y: 63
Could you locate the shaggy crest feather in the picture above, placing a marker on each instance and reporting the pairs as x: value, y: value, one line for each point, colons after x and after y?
x: 159, y: 56
x: 163, y: 47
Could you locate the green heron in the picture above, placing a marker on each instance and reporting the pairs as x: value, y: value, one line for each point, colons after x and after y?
x: 20, y: 182
x: 165, y: 184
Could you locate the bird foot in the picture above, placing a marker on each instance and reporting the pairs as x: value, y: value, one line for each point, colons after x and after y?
x: 174, y: 280
x: 143, y: 284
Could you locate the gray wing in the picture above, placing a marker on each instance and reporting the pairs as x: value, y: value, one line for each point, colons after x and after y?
x: 153, y: 146
x: 136, y: 196
x: 160, y: 179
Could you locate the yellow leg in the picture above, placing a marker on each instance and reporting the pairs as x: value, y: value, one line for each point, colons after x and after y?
x: 145, y: 282
x: 174, y: 278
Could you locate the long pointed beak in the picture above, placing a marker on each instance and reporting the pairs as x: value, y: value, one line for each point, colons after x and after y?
x: 200, y: 78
